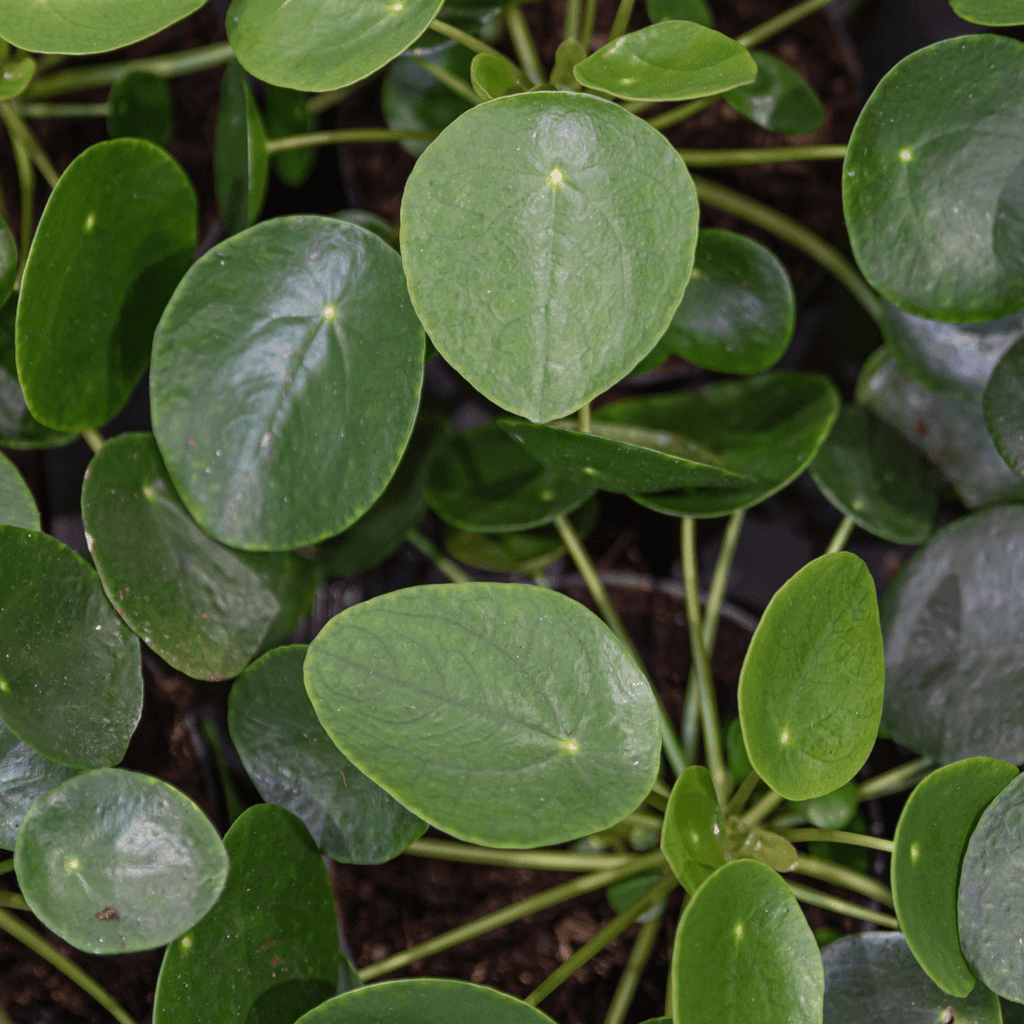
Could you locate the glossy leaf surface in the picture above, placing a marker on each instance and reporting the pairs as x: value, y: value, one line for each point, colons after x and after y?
x: 268, y: 950
x: 16, y: 76
x: 738, y: 311
x: 117, y: 233
x: 692, y: 835
x: 140, y: 107
x: 953, y: 646
x: 117, y: 862
x: 670, y: 60
x: 506, y: 223
x: 296, y: 765
x: 241, y: 167
x: 810, y: 692
x: 1004, y: 410
x: 932, y: 175
x: 307, y: 321
x: 779, y: 99
x: 931, y: 838
x: 681, y: 10
x: 288, y: 114
x: 868, y: 472
x: 990, y: 12
x: 70, y: 678
x: 324, y: 44
x: 203, y: 607
x: 744, y: 915
x: 874, y: 977
x: 504, y: 714
x: 17, y: 506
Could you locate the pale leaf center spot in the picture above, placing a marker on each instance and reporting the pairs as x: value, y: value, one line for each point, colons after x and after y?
x: 555, y: 179
x: 906, y: 155
x: 569, y: 745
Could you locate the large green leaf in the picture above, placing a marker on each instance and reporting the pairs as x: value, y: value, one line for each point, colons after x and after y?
x: 670, y: 60
x: 17, y: 506
x: 692, y: 835
x: 71, y: 675
x: 295, y: 765
x: 116, y: 862
x: 779, y: 99
x: 117, y: 233
x: 990, y: 12
x: 506, y: 228
x: 323, y: 44
x: 285, y: 381
x: 810, y: 693
x: 140, y: 107
x: 932, y: 174
x: 504, y: 714
x: 931, y: 837
x: 738, y: 311
x: 203, y: 607
x: 872, y: 475
x: 874, y: 977
x: 954, y: 659
x: 744, y: 953
x: 1004, y: 409
x: 268, y: 950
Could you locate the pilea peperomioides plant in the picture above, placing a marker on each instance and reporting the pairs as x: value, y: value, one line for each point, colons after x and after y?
x: 548, y: 247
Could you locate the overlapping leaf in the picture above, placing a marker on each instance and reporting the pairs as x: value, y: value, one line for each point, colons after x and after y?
x: 990, y: 12
x: 779, y: 99
x: 288, y: 114
x: 692, y: 835
x: 1004, y: 409
x: 17, y: 506
x: 241, y: 167
x: 140, y: 107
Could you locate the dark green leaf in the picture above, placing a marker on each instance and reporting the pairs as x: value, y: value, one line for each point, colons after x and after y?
x: 832, y: 810
x: 288, y: 114
x: 779, y: 99
x: 310, y: 320
x: 491, y: 76
x: 140, y: 106
x: 17, y: 506
x: 241, y: 168
x: 622, y: 895
x: 504, y: 714
x: 71, y: 674
x: 16, y: 76
x: 505, y: 228
x: 8, y: 262
x: 929, y: 159
x: 692, y: 836
x: 990, y: 12
x: 1004, y: 408
x: 681, y: 10
x: 117, y: 233
x: 736, y: 752
x: 652, y: 360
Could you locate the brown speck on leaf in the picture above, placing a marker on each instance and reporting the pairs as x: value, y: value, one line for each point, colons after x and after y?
x: 922, y: 428
x: 343, y: 779
x: 107, y: 914
x: 948, y: 1015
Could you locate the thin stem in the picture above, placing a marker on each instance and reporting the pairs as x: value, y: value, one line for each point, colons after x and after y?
x: 427, y: 547
x: 629, y: 980
x: 537, y: 860
x: 13, y: 900
x: 837, y: 874
x: 573, y: 20
x: 325, y: 100
x: 816, y: 898
x: 6, y: 866
x: 896, y: 780
x: 742, y: 795
x: 590, y: 882
x: 762, y: 809
x: 445, y: 77
x: 64, y: 109
x: 609, y: 932
x: 662, y: 789
x: 673, y: 116
x: 339, y: 136
x: 27, y: 189
x: 523, y: 44
x: 772, y: 155
x: 773, y: 26
x: 586, y: 422
x: 830, y: 835
x: 20, y: 133
x: 721, y: 197
x: 477, y: 46
x: 841, y: 536
x: 621, y: 22
x: 17, y: 929
x: 589, y: 23
x: 94, y: 439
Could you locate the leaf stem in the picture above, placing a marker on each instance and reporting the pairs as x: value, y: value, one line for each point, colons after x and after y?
x: 589, y: 23
x: 322, y: 101
x: 6, y: 866
x: 537, y: 860
x: 427, y: 547
x: 523, y: 44
x: 27, y: 190
x: 477, y: 46
x: 841, y: 536
x: 13, y: 901
x: 896, y: 780
x: 64, y: 109
x: 338, y: 136
x: 769, y: 155
x: 829, y: 835
x: 816, y: 898
x: 740, y: 797
x: 837, y: 874
x: 589, y: 882
x: 585, y: 420
x: 94, y: 439
x: 674, y: 115
x: 621, y: 22
x: 22, y: 134
x: 445, y: 77
x: 773, y: 26
x: 573, y: 20
x: 629, y: 980
x: 17, y: 929
x: 762, y: 809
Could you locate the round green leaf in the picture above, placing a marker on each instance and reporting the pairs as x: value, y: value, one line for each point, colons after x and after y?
x: 681, y: 10
x: 504, y: 714
x: 118, y: 232
x: 204, y: 608
x: 323, y: 44
x: 8, y: 262
x: 424, y: 1001
x: 506, y: 226
x: 931, y: 178
x: 288, y: 114
x: 491, y: 76
x: 953, y: 659
x: 17, y: 506
x: 309, y: 319
x: 268, y: 950
x: 1004, y: 410
x: 71, y: 675
x: 16, y: 76
x: 874, y: 977
x: 810, y: 693
x: 140, y: 106
x: 87, y: 26
x: 832, y: 810
x: 692, y: 834
x: 990, y: 12
x: 779, y: 99
x: 931, y: 837
x: 295, y: 765
x: 868, y: 472
x: 744, y: 953
x: 670, y: 60
x: 739, y: 309
x: 241, y: 168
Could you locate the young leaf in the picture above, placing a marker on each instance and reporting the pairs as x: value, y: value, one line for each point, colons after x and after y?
x: 491, y: 76
x: 17, y: 506
x: 288, y: 114
x: 295, y: 765
x: 16, y: 76
x: 140, y: 107
x: 692, y: 835
x: 931, y: 837
x: 810, y: 692
x: 681, y: 10
x: 1004, y: 411
x: 671, y: 60
x: 990, y: 12
x: 71, y: 675
x: 932, y: 175
x: 268, y: 950
x: 779, y: 99
x: 117, y: 233
x: 744, y: 953
x: 116, y: 862
x: 510, y: 251
x: 832, y: 810
x: 310, y: 319
x: 570, y: 52
x: 504, y: 714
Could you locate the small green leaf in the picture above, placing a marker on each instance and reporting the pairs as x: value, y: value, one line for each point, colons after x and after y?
x: 681, y: 10
x: 570, y: 52
x: 140, y: 106
x: 738, y: 311
x: 810, y: 692
x: 491, y: 76
x: 288, y: 114
x: 116, y: 862
x: 831, y: 810
x: 931, y: 837
x: 17, y: 506
x: 117, y: 233
x: 997, y: 13
x: 1004, y: 411
x: 692, y: 835
x: 779, y: 99
x: 71, y: 675
x: 740, y: 842
x: 744, y: 953
x: 16, y: 76
x: 671, y: 60
x: 504, y: 714
x: 241, y: 168
x: 268, y: 950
